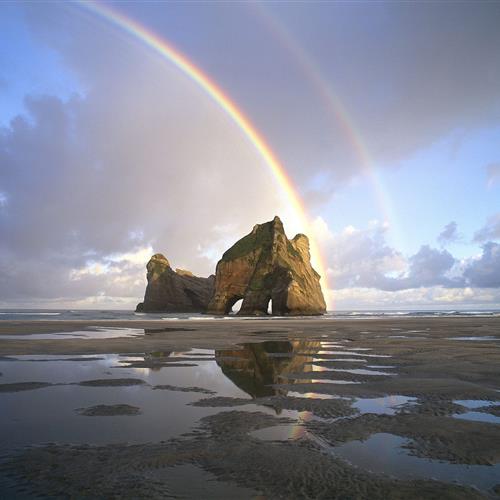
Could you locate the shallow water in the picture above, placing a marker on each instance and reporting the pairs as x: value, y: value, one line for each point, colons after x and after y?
x: 53, y: 413
x: 478, y: 416
x: 385, y: 453
x: 49, y: 414
x: 387, y: 405
x: 474, y: 403
x: 96, y: 333
x: 483, y: 338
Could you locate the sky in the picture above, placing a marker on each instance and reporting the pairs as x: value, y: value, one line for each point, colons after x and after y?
x: 385, y: 115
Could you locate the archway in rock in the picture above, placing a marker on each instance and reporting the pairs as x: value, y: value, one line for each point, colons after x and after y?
x: 270, y: 306
x: 231, y: 302
x: 236, y: 306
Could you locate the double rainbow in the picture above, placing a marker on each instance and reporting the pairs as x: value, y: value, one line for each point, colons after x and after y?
x: 168, y: 52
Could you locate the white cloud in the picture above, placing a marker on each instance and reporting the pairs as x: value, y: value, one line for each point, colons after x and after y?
x: 490, y: 231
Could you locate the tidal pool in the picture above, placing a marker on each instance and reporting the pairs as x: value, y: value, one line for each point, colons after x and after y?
x: 386, y: 453
x: 479, y: 338
x: 72, y: 400
x: 95, y: 333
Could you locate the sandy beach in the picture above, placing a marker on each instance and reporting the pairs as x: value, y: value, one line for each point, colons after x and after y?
x: 281, y: 408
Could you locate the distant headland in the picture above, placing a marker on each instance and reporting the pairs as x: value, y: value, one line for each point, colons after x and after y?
x: 262, y: 266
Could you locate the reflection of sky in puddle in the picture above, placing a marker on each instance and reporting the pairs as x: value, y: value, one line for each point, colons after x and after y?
x: 478, y: 416
x: 358, y: 348
x: 484, y: 338
x: 97, y: 333
x: 320, y: 381
x: 387, y: 405
x: 383, y: 453
x: 313, y: 395
x: 350, y: 360
x: 353, y: 353
x: 359, y: 371
x: 280, y: 433
x: 474, y: 403
x: 48, y: 414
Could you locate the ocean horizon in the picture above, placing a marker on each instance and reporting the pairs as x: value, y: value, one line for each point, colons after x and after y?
x: 18, y: 314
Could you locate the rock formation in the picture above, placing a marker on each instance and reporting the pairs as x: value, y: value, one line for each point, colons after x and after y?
x: 265, y: 265
x: 174, y: 291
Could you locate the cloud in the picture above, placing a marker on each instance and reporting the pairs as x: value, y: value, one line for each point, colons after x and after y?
x: 363, y: 259
x: 416, y: 298
x: 422, y: 90
x: 493, y: 173
x: 485, y: 270
x: 490, y: 231
x: 141, y: 160
x: 449, y: 234
x: 427, y: 80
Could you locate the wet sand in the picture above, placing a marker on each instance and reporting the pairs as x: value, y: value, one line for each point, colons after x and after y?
x: 441, y: 373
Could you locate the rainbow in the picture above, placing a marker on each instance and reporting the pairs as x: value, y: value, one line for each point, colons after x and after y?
x: 171, y: 54
x: 333, y: 104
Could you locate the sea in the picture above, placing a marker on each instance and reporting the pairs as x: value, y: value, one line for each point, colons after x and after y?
x: 118, y: 315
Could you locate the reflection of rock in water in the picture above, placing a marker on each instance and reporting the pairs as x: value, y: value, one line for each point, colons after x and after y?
x: 257, y: 366
x: 157, y: 359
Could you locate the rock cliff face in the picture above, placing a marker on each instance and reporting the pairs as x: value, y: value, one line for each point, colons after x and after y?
x: 174, y: 291
x: 265, y: 265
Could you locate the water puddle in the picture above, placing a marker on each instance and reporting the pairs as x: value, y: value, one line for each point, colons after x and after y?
x: 97, y: 333
x: 348, y: 360
x: 280, y: 433
x: 361, y: 371
x: 484, y: 338
x: 385, y: 453
x: 474, y: 403
x: 163, y: 413
x: 320, y: 381
x: 352, y: 353
x: 387, y: 405
x: 131, y: 398
x: 312, y: 395
x: 478, y: 416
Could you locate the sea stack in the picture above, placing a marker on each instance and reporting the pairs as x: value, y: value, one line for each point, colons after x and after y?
x: 174, y: 291
x: 265, y: 265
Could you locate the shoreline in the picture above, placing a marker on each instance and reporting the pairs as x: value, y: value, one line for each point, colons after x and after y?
x: 425, y: 389
x: 214, y: 334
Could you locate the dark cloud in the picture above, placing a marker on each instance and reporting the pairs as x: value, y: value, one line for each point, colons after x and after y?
x: 400, y: 73
x: 428, y: 267
x: 142, y: 159
x: 490, y: 231
x: 449, y: 233
x: 363, y: 259
x: 403, y: 72
x: 485, y: 271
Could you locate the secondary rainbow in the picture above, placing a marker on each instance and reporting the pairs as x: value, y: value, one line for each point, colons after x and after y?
x: 168, y: 52
x: 333, y: 104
